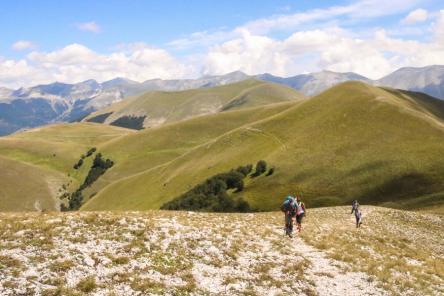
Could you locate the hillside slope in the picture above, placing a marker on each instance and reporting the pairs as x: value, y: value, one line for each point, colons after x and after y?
x: 34, y: 164
x: 156, y: 108
x: 147, y: 149
x: 351, y: 141
x: 26, y: 187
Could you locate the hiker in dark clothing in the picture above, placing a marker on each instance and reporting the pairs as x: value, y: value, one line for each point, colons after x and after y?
x: 358, y: 213
x: 355, y: 206
x: 289, y: 209
x: 358, y: 216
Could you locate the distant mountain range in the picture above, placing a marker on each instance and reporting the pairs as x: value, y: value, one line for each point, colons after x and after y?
x: 314, y: 83
x: 62, y: 102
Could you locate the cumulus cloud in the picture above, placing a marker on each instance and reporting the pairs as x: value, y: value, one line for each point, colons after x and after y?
x: 77, y: 62
x: 303, y: 51
x: 333, y: 49
x: 89, y: 26
x: 416, y: 16
x: 23, y: 44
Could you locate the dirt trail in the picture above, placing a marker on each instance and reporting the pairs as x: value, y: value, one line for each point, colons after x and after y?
x: 330, y: 276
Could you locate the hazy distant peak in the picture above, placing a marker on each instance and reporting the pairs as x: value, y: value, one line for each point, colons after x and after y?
x: 118, y: 81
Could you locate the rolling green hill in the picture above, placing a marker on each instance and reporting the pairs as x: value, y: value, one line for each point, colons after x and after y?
x: 26, y: 187
x: 351, y: 141
x: 147, y: 149
x: 379, y: 145
x: 156, y: 108
x: 35, y: 163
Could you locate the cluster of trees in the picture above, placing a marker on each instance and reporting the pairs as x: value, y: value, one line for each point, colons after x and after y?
x: 88, y: 154
x: 212, y: 196
x: 98, y: 168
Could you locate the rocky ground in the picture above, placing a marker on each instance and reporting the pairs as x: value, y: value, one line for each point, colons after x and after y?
x: 184, y: 253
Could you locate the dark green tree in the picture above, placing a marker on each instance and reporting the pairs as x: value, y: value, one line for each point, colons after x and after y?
x: 78, y: 164
x: 91, y: 151
x: 270, y: 172
x: 261, y: 167
x: 245, y: 170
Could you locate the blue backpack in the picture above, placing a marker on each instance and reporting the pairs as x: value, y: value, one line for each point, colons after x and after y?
x: 288, y: 203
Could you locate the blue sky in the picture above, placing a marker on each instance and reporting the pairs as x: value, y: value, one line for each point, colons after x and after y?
x: 43, y: 41
x: 52, y: 24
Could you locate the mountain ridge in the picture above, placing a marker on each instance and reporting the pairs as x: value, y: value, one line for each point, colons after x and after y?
x: 159, y: 107
x: 63, y: 102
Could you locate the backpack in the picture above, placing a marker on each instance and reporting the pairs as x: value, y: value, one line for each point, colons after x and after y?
x: 287, y: 204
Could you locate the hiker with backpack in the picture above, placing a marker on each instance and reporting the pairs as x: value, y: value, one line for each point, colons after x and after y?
x: 288, y: 207
x: 300, y: 212
x: 355, y: 206
x: 358, y: 213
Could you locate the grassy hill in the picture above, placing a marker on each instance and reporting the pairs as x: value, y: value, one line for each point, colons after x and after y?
x: 37, y: 162
x: 352, y: 141
x: 26, y: 187
x: 156, y: 108
x: 148, y: 149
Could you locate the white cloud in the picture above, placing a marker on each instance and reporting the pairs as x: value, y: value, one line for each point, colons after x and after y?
x: 23, y: 44
x: 89, y: 26
x: 416, y: 16
x: 359, y: 10
x: 249, y: 53
x: 332, y: 49
x: 301, y: 52
x: 438, y: 27
x: 315, y: 18
x: 202, y: 39
x: 76, y: 62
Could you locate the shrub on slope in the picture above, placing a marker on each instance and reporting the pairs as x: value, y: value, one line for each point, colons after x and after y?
x: 211, y: 196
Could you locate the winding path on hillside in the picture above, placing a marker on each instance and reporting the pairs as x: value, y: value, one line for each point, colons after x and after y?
x: 251, y: 129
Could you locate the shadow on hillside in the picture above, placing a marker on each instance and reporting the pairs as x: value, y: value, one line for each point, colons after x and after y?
x: 368, y: 167
x: 406, y: 186
x: 304, y: 175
